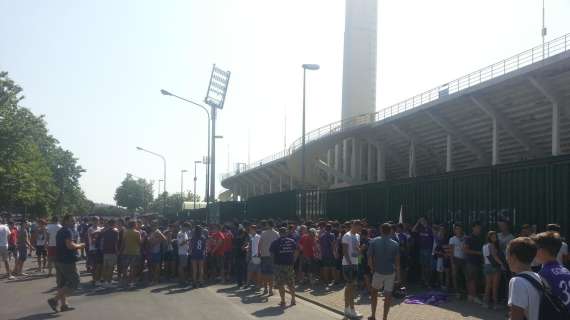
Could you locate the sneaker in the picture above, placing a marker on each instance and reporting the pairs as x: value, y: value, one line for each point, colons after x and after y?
x: 11, y: 277
x: 347, y: 312
x: 66, y: 307
x: 52, y: 302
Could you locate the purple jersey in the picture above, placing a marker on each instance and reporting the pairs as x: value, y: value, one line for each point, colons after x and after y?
x: 198, y: 247
x: 326, y: 242
x: 425, y: 238
x: 558, y: 278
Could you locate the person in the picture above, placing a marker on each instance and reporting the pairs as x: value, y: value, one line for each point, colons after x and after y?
x: 328, y: 262
x: 505, y: 237
x: 52, y: 229
x: 12, y: 240
x: 23, y: 244
x: 308, y: 263
x: 170, y: 254
x: 228, y: 253
x: 183, y: 240
x: 239, y: 245
x: 217, y: 253
x: 562, y: 255
x: 284, y: 250
x: 424, y: 237
x: 556, y: 275
x: 4, y: 237
x: 265, y: 240
x: 197, y: 256
x: 156, y: 237
x: 254, y: 264
x: 456, y: 244
x: 492, y: 269
x: 95, y: 254
x: 131, y: 253
x: 524, y: 298
x: 442, y: 262
x: 39, y: 238
x: 473, y: 261
x: 384, y: 262
x: 350, y: 249
x: 67, y: 277
x: 364, y: 270
x: 110, y: 250
x: 92, y: 251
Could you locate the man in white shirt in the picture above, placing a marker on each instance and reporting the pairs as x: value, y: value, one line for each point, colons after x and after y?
x: 524, y: 299
x: 266, y: 239
x: 4, y: 235
x: 456, y: 244
x: 254, y: 265
x: 182, y: 239
x: 52, y: 229
x: 351, y: 250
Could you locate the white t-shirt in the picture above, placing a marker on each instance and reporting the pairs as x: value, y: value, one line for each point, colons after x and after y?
x: 486, y: 253
x: 255, y: 245
x: 352, y: 241
x: 457, y: 244
x: 4, y: 235
x: 183, y: 245
x: 90, y: 232
x: 52, y: 230
x: 523, y: 295
x: 562, y: 252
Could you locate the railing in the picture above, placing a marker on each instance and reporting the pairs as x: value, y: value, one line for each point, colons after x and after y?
x: 498, y: 69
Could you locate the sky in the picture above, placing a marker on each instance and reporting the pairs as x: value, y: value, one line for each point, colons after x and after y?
x: 95, y: 69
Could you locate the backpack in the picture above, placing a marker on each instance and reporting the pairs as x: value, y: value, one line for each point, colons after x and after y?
x: 551, y: 308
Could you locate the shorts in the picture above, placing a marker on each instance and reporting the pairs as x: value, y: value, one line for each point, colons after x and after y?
x: 472, y: 271
x: 51, y: 252
x: 22, y: 253
x: 309, y: 265
x: 426, y: 258
x: 155, y: 258
x: 385, y: 281
x: 266, y: 266
x: 109, y: 260
x: 350, y: 273
x: 13, y: 250
x: 169, y: 256
x: 132, y: 261
x: 228, y: 260
x: 182, y: 260
x: 284, y: 275
x: 216, y: 261
x: 328, y: 262
x: 253, y: 267
x: 66, y: 275
x: 41, y: 251
x: 489, y: 269
x: 3, y: 254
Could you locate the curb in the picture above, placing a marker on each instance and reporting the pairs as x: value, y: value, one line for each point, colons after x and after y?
x: 315, y: 302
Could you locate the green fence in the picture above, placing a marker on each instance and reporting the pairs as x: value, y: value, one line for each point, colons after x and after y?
x: 534, y: 192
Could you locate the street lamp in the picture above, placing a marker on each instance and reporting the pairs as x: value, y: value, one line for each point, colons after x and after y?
x: 164, y: 173
x: 195, y: 178
x: 166, y: 93
x: 303, y: 205
x: 182, y: 187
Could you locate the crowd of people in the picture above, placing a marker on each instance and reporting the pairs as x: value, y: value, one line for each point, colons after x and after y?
x: 495, y: 269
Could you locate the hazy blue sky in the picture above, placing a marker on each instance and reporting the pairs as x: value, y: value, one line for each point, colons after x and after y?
x: 95, y: 68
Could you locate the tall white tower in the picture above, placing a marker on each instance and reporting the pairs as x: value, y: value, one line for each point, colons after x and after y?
x: 359, y: 66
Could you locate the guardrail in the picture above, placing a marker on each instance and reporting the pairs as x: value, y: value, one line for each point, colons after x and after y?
x: 523, y: 59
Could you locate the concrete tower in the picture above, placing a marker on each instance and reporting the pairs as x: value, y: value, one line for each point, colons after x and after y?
x: 359, y: 66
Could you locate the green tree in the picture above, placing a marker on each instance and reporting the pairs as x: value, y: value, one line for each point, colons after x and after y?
x: 35, y: 172
x: 134, y: 194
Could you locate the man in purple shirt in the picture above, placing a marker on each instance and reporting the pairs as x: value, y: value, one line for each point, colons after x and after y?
x: 558, y: 277
x: 328, y: 262
x: 424, y: 235
x: 284, y: 252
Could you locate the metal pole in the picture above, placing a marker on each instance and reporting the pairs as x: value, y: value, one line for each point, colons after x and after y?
x: 213, y: 160
x: 195, y: 178
x: 303, y: 209
x: 207, y: 195
x: 543, y: 29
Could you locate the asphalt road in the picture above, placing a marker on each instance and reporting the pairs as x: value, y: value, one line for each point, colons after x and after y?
x: 25, y: 299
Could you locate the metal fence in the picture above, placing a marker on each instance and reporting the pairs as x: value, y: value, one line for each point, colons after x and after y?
x: 516, y: 62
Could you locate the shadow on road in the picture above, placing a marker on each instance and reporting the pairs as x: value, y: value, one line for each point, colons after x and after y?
x: 269, y: 312
x: 39, y: 316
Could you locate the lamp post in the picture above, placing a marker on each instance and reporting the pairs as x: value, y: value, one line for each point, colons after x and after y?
x: 167, y: 93
x: 163, y: 174
x: 303, y: 204
x: 182, y: 187
x: 159, y: 182
x: 195, y: 178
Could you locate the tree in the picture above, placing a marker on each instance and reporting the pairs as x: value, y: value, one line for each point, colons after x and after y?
x: 36, y: 174
x: 134, y: 194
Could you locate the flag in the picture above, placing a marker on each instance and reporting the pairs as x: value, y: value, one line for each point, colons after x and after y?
x: 401, y: 219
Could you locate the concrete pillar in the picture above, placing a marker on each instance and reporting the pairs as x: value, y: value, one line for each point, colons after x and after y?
x: 449, y: 153
x: 247, y: 192
x: 345, y: 159
x: 412, y: 160
x: 369, y: 164
x: 337, y: 157
x: 353, y: 158
x: 330, y: 158
x: 290, y: 183
x: 360, y: 163
x: 381, y: 165
x: 555, y: 129
x: 270, y: 187
x: 495, y: 152
x: 254, y: 192
x: 280, y: 183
